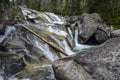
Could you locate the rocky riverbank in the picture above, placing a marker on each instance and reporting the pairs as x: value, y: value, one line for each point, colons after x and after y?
x: 28, y: 53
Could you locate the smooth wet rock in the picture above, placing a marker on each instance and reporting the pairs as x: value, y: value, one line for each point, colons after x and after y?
x: 67, y: 69
x: 102, y: 62
x: 115, y: 33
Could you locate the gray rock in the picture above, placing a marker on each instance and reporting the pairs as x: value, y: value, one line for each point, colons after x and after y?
x: 67, y: 69
x: 101, y: 36
x: 72, y: 19
x: 102, y: 62
x: 12, y: 63
x: 16, y: 44
x: 115, y: 33
x: 90, y: 23
x: 2, y: 29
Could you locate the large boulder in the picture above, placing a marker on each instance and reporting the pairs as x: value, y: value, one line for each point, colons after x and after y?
x: 68, y: 69
x: 115, y: 33
x: 89, y: 26
x: 90, y: 23
x: 101, y: 36
x: 102, y: 62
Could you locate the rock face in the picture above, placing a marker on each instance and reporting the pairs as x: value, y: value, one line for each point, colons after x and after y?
x: 102, y: 62
x: 101, y: 36
x: 89, y: 25
x: 67, y: 69
x: 2, y: 29
x: 115, y: 33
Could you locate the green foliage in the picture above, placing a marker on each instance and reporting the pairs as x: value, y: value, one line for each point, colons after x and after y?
x: 4, y: 1
x: 115, y: 21
x: 108, y: 9
x: 115, y: 27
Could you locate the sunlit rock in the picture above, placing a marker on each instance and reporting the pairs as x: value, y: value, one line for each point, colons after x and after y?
x: 68, y: 69
x: 90, y: 23
x: 115, y: 33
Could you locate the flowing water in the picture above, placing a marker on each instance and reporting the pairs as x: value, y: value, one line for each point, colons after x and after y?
x: 45, y: 48
x: 79, y: 47
x: 8, y: 30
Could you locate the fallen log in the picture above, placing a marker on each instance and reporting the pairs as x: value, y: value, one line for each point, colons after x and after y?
x: 43, y: 39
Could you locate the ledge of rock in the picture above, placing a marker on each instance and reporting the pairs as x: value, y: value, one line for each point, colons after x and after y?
x: 101, y: 63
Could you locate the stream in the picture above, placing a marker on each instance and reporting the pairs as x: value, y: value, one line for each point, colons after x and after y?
x: 35, y: 53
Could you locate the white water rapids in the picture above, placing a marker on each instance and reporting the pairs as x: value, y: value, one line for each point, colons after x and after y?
x: 78, y: 46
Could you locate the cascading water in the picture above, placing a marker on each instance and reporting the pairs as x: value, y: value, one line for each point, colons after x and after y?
x: 76, y: 37
x: 32, y: 14
x: 56, y: 31
x: 70, y: 32
x: 45, y: 49
x: 56, y: 18
x: 1, y: 78
x: 45, y: 17
x: 67, y: 48
x: 79, y: 47
x: 8, y: 30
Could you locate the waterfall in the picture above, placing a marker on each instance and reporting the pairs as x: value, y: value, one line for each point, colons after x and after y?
x: 70, y: 32
x: 45, y: 17
x: 50, y: 17
x: 56, y: 40
x: 55, y: 17
x: 76, y: 37
x: 8, y: 30
x: 45, y: 48
x: 57, y: 31
x: 79, y: 47
x: 67, y: 48
x: 1, y: 78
